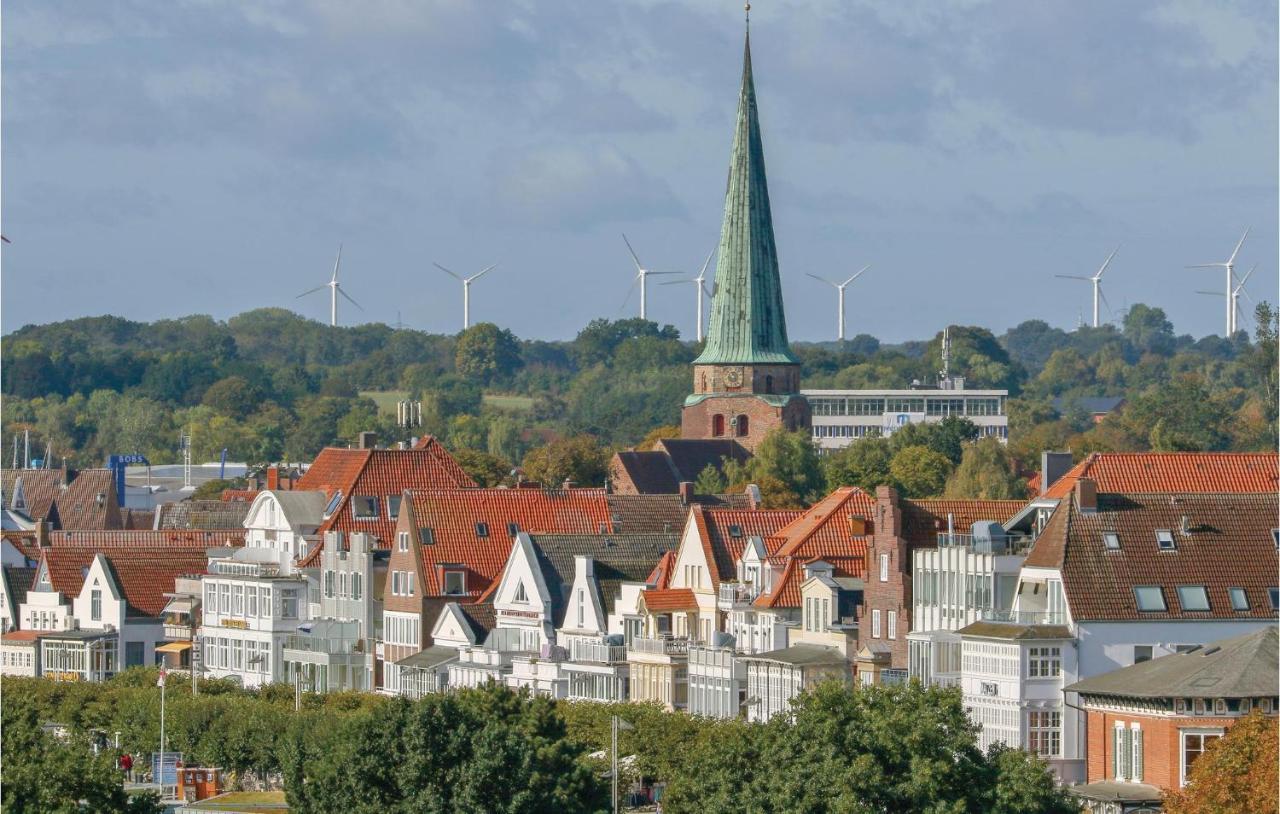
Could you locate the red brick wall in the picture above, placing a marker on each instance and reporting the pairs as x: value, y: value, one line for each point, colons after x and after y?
x: 712, y: 379
x: 895, y: 593
x: 696, y: 420
x: 1161, y: 744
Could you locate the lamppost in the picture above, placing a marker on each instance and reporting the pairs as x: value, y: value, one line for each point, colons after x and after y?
x: 617, y: 725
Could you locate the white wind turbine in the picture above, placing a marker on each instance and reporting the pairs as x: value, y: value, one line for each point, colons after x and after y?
x: 1096, y: 280
x: 335, y: 288
x: 642, y: 275
x: 1236, y: 294
x: 701, y: 282
x: 466, y: 290
x: 840, y: 287
x: 1230, y: 266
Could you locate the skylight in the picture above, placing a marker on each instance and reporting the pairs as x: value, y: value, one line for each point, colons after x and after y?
x: 1239, y: 600
x: 1164, y: 539
x: 1149, y: 598
x: 482, y: 530
x: 364, y: 507
x: 333, y: 503
x: 1111, y: 540
x: 1193, y: 597
x: 735, y: 530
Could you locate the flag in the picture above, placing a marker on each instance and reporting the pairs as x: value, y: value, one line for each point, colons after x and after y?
x: 160, y: 680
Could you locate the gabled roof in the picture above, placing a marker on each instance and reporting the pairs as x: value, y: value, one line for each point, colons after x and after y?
x: 38, y: 488
x: 201, y: 514
x: 455, y: 515
x: 676, y: 460
x: 670, y: 599
x: 143, y: 573
x: 18, y: 579
x: 660, y: 576
x: 800, y: 655
x: 89, y: 502
x: 137, y: 519
x: 617, y: 559
x: 662, y: 514
x: 378, y: 473
x: 724, y: 534
x: 1241, y: 667
x: 303, y: 510
x: 1173, y: 472
x: 1229, y: 545
x: 823, y: 530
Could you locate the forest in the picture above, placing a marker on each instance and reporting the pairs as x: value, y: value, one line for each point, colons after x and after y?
x: 269, y: 385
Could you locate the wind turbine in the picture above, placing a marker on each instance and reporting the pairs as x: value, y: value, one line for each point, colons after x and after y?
x: 642, y: 275
x: 1230, y: 266
x: 466, y: 290
x: 1096, y: 279
x: 700, y: 282
x: 335, y: 288
x: 1236, y: 294
x: 840, y: 287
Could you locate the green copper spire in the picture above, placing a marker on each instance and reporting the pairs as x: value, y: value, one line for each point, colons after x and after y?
x: 748, y: 325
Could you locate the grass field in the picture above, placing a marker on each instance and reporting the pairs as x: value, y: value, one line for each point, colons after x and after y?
x: 521, y: 403
x: 385, y: 399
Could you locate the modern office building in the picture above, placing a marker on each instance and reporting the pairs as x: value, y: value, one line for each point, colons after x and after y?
x: 841, y: 417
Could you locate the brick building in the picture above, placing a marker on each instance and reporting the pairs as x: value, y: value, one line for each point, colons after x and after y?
x: 747, y: 380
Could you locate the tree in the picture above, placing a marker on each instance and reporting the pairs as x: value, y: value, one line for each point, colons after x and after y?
x: 785, y: 467
x: 710, y: 481
x: 986, y: 472
x: 484, y: 469
x: 946, y: 437
x: 863, y: 463
x: 232, y: 396
x: 487, y: 352
x: 1237, y: 774
x: 919, y: 471
x: 1148, y: 329
x: 651, y: 439
x: 578, y: 459
x: 1065, y: 370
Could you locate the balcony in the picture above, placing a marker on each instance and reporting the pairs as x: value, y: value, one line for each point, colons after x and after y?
x: 177, y: 632
x: 598, y: 652
x: 1024, y: 617
x: 735, y: 594
x: 324, y: 644
x: 662, y: 646
x: 238, y: 568
x: 1010, y: 544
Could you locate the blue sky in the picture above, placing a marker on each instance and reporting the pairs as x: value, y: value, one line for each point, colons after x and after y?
x: 165, y: 158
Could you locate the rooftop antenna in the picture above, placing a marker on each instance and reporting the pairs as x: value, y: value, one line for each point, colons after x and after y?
x: 48, y: 453
x: 1230, y: 266
x: 945, y: 373
x: 642, y: 275
x: 701, y: 282
x: 1236, y: 294
x: 335, y: 288
x: 184, y: 443
x: 466, y: 289
x: 26, y: 449
x: 15, y: 452
x: 840, y: 287
x: 1096, y: 280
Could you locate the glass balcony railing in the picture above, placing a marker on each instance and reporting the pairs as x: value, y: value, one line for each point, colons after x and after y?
x: 1024, y: 617
x: 324, y: 644
x: 598, y: 652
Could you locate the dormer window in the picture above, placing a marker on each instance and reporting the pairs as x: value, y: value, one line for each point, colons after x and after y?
x: 482, y: 530
x: 1165, y: 541
x: 455, y: 583
x: 1111, y: 540
x: 1275, y: 537
x: 735, y: 531
x: 334, y: 502
x: 364, y: 507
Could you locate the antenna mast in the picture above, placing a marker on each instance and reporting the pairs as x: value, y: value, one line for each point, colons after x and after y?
x: 184, y: 443
x: 945, y: 373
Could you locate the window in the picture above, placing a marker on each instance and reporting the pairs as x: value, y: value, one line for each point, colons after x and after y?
x: 884, y: 567
x: 1126, y: 752
x: 408, y: 583
x: 893, y: 625
x: 402, y: 541
x: 328, y: 584
x: 251, y: 600
x: 224, y: 597
x: 357, y: 587
x: 1193, y: 597
x: 334, y: 502
x: 1165, y: 541
x: 741, y: 425
x: 1239, y: 601
x: 717, y: 425
x: 454, y: 583
x: 364, y: 507
x: 426, y: 536
x: 581, y: 608
x: 1142, y: 652
x: 1111, y: 540
x: 875, y: 624
x: 1274, y: 595
x: 1044, y: 732
x: 482, y: 530
x: 289, y: 603
x: 513, y: 529
x: 395, y: 583
x: 393, y: 506
x: 521, y: 595
x: 265, y: 593
x: 1150, y: 598
x: 1044, y: 662
x: 95, y: 605
x: 1193, y: 746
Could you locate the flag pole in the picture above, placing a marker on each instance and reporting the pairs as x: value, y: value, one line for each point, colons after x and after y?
x: 160, y: 768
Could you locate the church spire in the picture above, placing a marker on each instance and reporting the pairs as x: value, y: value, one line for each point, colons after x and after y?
x: 748, y: 325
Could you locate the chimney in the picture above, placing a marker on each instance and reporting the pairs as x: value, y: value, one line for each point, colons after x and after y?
x: 753, y: 492
x: 1086, y: 495
x: 568, y: 484
x: 367, y: 440
x: 42, y: 533
x: 858, y: 525
x: 273, y: 478
x: 686, y: 492
x: 1053, y: 465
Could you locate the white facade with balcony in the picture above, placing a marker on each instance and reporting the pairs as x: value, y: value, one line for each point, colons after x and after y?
x: 841, y: 417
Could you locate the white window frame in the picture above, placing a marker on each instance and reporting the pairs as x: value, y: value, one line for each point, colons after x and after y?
x: 892, y: 627
x: 884, y: 567
x: 875, y: 623
x: 1238, y: 593
x: 1182, y: 747
x: 1204, y: 592
x: 402, y: 540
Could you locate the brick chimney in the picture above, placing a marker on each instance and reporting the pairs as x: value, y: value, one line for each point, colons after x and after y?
x: 273, y: 478
x: 686, y: 492
x: 1086, y: 495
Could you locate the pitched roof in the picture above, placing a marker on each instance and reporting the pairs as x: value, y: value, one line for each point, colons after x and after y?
x: 201, y: 514
x: 725, y: 532
x: 1240, y: 667
x: 39, y: 487
x: 1228, y: 544
x: 824, y: 528
x: 480, y: 616
x: 378, y: 473
x: 922, y: 520
x: 455, y: 517
x: 670, y: 599
x: 1001, y: 630
x: 23, y: 636
x: 785, y: 593
x: 660, y: 576
x: 800, y: 655
x: 137, y: 519
x: 1173, y: 472
x: 662, y: 514
x: 617, y: 559
x: 144, y: 573
x: 675, y: 460
x: 19, y: 579
x: 748, y: 322
x: 89, y: 502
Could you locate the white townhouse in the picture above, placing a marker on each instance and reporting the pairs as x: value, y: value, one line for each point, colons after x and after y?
x: 1116, y: 579
x: 285, y: 521
x: 457, y: 627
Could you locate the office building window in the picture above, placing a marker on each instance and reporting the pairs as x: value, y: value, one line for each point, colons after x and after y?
x: 1044, y: 732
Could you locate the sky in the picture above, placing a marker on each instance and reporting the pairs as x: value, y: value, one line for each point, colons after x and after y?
x: 174, y: 157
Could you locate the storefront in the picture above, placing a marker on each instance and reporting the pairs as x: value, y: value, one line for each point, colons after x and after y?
x: 79, y: 655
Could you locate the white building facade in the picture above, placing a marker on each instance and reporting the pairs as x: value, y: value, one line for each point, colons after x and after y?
x: 841, y: 417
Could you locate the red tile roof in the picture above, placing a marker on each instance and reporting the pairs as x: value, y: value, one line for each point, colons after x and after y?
x: 923, y: 520
x: 1174, y: 472
x: 90, y: 502
x: 24, y: 635
x: 144, y: 573
x: 1229, y: 545
x: 378, y: 473
x: 823, y: 529
x: 785, y: 593
x: 238, y: 495
x: 670, y: 599
x: 39, y: 489
x: 660, y: 577
x: 722, y: 546
x: 453, y: 515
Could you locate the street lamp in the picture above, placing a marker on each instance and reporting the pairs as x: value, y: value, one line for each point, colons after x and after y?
x: 617, y: 725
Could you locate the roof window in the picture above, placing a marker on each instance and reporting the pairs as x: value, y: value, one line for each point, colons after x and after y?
x: 1275, y: 537
x: 455, y: 583
x: 1165, y: 541
x: 513, y: 529
x: 1274, y: 595
x: 393, y: 506
x: 1239, y: 600
x: 333, y: 503
x: 1150, y: 598
x: 1193, y: 597
x: 427, y: 536
x: 364, y: 507
x: 735, y: 530
x: 1111, y: 540
x: 482, y: 530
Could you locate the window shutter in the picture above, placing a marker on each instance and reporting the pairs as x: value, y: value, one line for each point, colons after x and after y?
x: 1136, y: 774
x: 1127, y: 753
x: 1116, y: 765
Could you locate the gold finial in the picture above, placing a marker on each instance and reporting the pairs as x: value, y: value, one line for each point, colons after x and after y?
x: 747, y: 8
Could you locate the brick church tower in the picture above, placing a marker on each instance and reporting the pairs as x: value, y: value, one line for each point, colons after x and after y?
x: 747, y: 381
